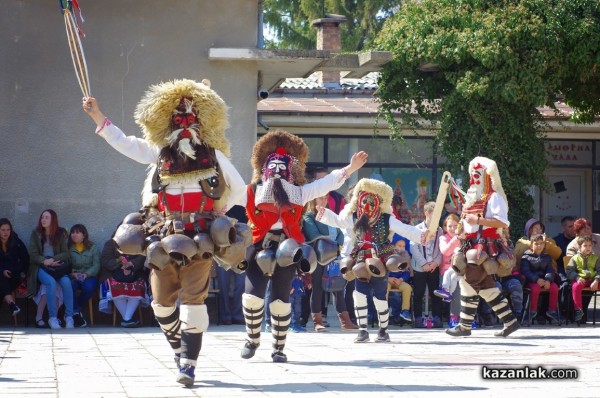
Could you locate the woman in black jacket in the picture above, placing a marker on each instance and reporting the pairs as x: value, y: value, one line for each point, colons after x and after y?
x: 14, y: 263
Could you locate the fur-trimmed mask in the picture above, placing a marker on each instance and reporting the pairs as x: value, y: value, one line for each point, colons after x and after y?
x: 279, y: 165
x: 185, y: 128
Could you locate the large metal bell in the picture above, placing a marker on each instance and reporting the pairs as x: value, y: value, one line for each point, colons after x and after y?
x: 180, y: 247
x: 459, y: 263
x: 288, y: 253
x: 244, y: 231
x: 206, y: 247
x: 156, y: 257
x: 136, y: 218
x: 375, y: 267
x: 308, y: 263
x: 360, y: 271
x: 398, y: 261
x: 231, y: 255
x: 474, y: 257
x: 327, y: 250
x: 346, y: 264
x: 130, y: 239
x: 222, y: 231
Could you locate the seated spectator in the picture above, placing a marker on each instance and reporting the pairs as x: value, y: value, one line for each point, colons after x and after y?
x: 85, y: 260
x: 49, y: 265
x: 125, y: 279
x: 584, y: 270
x: 533, y: 226
x: 14, y: 263
x: 402, y: 281
x: 563, y: 239
x: 583, y: 227
x: 40, y: 301
x: 537, y: 267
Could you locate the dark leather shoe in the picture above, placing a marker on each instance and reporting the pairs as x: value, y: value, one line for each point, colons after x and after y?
x: 458, y: 331
x: 248, y: 350
x: 278, y: 356
x: 507, y: 330
x: 363, y: 337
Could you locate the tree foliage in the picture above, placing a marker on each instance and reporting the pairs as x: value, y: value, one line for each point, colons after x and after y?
x: 495, y: 62
x: 290, y: 21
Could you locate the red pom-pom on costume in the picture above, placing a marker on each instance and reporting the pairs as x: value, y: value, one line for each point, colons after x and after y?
x: 281, y: 151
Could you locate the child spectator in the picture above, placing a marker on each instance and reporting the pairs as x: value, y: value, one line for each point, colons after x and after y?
x: 401, y: 281
x: 584, y: 270
x: 536, y: 265
x: 426, y: 261
x: 296, y: 302
x: 449, y: 243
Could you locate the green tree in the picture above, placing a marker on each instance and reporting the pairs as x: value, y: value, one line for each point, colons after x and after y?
x: 290, y: 21
x: 479, y: 69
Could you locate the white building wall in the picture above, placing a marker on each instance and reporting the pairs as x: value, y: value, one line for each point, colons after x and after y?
x: 51, y: 157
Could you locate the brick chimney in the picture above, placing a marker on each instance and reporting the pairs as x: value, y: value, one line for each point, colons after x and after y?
x: 329, y: 39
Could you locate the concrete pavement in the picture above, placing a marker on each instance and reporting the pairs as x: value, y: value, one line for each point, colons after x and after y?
x: 115, y: 362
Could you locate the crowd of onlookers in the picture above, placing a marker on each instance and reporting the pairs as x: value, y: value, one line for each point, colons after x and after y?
x: 61, y: 270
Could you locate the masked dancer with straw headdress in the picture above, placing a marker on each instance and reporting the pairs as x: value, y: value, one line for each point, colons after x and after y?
x: 274, y: 202
x: 370, y: 219
x: 484, y: 214
x: 190, y: 185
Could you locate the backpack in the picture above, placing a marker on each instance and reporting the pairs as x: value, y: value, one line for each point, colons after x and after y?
x: 332, y: 280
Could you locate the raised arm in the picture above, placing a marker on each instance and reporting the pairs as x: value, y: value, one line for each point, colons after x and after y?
x: 328, y: 217
x: 410, y: 232
x: 333, y: 180
x: 131, y: 146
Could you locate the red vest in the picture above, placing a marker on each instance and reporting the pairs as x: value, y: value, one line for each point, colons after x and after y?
x: 261, y: 221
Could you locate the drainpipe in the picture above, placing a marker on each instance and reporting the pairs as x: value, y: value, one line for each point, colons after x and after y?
x: 260, y: 40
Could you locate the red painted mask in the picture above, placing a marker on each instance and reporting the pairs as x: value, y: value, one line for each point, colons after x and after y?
x: 368, y: 204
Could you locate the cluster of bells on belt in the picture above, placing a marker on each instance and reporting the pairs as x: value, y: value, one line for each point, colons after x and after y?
x: 227, y: 241
x: 373, y: 267
x: 477, y: 256
x: 289, y: 252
